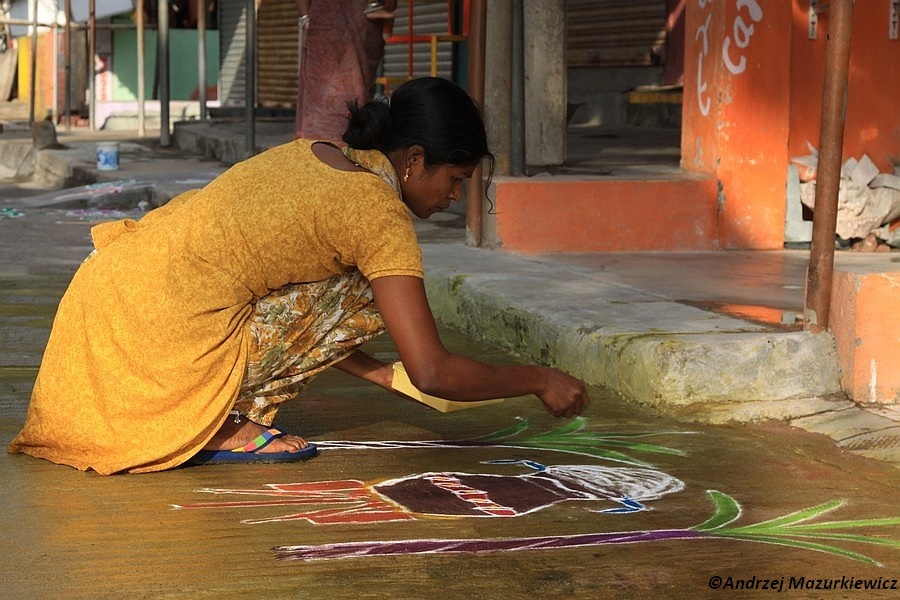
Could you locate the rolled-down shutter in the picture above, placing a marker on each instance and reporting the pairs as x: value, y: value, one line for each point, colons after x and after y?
x: 232, y: 42
x: 615, y: 32
x: 277, y: 57
x: 428, y: 18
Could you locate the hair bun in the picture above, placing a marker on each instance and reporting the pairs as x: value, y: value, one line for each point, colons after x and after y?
x: 367, y: 124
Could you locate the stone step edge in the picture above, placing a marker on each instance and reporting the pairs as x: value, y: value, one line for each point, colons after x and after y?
x: 676, y: 373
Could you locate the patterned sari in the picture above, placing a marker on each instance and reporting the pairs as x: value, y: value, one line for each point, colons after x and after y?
x: 300, y: 331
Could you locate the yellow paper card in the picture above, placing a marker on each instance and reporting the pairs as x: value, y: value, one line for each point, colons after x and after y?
x: 402, y: 384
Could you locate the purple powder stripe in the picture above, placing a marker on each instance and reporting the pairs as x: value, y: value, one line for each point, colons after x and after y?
x: 402, y: 547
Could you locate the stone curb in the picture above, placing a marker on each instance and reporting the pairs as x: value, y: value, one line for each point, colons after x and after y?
x: 676, y: 358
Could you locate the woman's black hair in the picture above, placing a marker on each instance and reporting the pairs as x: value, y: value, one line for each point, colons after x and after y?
x: 432, y: 112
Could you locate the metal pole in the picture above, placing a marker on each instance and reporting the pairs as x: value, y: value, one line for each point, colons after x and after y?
x: 831, y: 140
x: 34, y: 48
x: 410, y: 19
x: 92, y: 66
x: 250, y: 80
x: 141, y: 83
x: 201, y: 55
x: 162, y: 54
x: 55, y: 71
x: 68, y: 65
x: 475, y: 187
x: 517, y: 109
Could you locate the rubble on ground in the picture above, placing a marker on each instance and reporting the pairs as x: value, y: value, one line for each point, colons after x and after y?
x: 868, y: 212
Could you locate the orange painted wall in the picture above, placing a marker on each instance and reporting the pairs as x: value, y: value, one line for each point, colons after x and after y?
x: 752, y: 100
x: 736, y: 113
x: 753, y: 115
x: 42, y: 98
x: 44, y: 73
x: 872, y: 125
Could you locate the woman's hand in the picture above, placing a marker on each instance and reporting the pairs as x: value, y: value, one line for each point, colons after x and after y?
x: 359, y: 364
x: 562, y: 394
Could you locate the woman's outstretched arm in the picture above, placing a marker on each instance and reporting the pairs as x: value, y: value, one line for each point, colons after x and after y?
x: 403, y: 305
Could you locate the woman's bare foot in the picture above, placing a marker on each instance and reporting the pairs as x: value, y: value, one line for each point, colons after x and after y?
x: 235, y: 435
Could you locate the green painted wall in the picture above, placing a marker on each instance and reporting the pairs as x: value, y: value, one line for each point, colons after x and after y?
x: 182, y: 63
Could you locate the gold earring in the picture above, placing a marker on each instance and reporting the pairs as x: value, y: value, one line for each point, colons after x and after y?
x: 406, y: 175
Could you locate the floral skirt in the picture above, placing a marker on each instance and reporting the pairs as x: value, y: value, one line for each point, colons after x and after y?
x: 299, y: 331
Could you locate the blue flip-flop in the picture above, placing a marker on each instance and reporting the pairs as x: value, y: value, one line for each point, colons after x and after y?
x: 250, y: 453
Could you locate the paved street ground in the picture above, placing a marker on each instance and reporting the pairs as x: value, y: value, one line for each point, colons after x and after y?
x: 641, y: 506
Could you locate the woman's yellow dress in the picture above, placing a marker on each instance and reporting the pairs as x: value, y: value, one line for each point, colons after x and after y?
x: 150, y: 341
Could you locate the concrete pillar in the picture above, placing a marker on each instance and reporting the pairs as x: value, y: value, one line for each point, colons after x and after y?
x: 545, y: 91
x: 498, y: 81
x: 497, y: 103
x: 545, y: 83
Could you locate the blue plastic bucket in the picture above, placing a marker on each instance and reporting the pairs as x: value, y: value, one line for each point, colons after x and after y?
x: 107, y: 156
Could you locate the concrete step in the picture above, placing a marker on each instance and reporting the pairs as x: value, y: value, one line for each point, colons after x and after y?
x: 14, y: 110
x: 679, y: 359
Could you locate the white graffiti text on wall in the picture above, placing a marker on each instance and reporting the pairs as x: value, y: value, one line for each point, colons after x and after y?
x: 742, y: 31
x: 749, y: 12
x: 702, y: 34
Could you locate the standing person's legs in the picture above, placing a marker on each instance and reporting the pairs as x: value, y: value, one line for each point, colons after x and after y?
x: 340, y: 59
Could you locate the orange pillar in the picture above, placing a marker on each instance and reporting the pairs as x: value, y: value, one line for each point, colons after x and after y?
x: 736, y: 113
